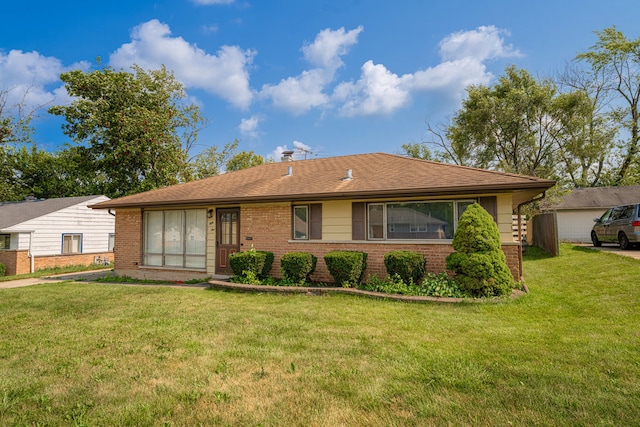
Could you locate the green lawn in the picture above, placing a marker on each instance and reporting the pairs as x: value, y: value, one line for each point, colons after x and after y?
x: 568, y: 353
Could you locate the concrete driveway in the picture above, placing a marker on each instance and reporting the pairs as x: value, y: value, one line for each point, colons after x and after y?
x: 83, y: 275
x: 631, y: 253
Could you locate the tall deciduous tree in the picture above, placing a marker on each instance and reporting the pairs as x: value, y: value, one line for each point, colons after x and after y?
x: 588, y: 133
x: 617, y: 58
x: 211, y: 161
x: 15, y: 129
x: 416, y: 151
x: 509, y: 126
x: 131, y: 128
x: 244, y: 160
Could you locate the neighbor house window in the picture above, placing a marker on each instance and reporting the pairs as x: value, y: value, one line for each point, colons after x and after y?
x: 112, y: 241
x: 414, y: 220
x: 71, y: 244
x: 175, y: 238
x: 307, y: 221
x: 5, y: 241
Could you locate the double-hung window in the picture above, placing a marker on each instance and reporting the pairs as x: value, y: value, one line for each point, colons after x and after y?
x: 414, y: 220
x: 71, y: 243
x: 175, y: 238
x: 307, y: 221
x: 5, y: 241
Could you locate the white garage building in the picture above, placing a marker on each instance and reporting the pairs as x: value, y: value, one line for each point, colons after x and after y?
x: 577, y: 209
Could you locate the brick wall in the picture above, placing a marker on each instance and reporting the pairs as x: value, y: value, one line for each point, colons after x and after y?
x: 51, y: 261
x: 127, y: 250
x: 268, y: 227
x: 10, y: 259
x: 18, y: 262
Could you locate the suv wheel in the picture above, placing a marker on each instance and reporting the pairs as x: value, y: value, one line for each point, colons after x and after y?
x: 623, y: 241
x: 594, y: 238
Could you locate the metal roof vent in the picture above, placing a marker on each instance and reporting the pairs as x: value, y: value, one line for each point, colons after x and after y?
x: 289, y: 171
x: 349, y: 175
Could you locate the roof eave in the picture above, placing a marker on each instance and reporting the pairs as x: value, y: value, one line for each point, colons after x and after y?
x: 439, y: 191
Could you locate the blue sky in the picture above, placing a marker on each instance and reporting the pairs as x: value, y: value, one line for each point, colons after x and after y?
x: 331, y: 76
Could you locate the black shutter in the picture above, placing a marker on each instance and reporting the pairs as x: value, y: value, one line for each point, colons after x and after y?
x: 490, y: 204
x: 315, y: 221
x: 358, y: 223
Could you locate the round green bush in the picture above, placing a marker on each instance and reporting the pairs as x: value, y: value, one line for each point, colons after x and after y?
x: 409, y: 265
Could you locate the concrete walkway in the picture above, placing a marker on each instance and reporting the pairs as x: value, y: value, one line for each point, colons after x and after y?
x: 82, y: 275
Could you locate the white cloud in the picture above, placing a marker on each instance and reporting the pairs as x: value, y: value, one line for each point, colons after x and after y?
x: 33, y: 79
x: 224, y: 74
x: 329, y: 46
x: 249, y: 127
x: 298, y: 94
x: 483, y: 43
x: 378, y: 91
x: 301, y: 93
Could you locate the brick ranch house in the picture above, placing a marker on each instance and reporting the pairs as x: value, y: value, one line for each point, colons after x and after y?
x: 374, y: 203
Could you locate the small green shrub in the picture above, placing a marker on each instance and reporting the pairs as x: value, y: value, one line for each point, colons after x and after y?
x: 249, y: 261
x: 479, y: 262
x: 346, y: 267
x: 409, y: 265
x: 3, y: 270
x: 441, y: 285
x: 296, y: 267
x: 268, y: 263
x: 389, y: 285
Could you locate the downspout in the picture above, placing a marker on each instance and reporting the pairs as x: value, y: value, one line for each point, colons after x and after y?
x: 30, y: 254
x: 535, y: 199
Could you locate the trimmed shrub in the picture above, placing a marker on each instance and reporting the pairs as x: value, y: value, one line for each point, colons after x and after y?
x: 268, y: 263
x: 409, y: 265
x: 250, y: 261
x: 346, y: 267
x: 298, y: 266
x: 479, y: 263
x: 3, y: 270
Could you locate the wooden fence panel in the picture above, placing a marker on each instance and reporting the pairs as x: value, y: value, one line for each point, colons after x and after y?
x: 545, y: 232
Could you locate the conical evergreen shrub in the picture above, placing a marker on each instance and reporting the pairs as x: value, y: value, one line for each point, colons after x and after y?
x: 479, y: 262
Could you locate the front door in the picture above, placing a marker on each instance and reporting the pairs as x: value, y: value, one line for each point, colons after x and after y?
x: 227, y: 238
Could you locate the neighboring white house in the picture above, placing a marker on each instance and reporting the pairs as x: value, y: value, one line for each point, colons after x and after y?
x: 41, y: 233
x: 577, y: 209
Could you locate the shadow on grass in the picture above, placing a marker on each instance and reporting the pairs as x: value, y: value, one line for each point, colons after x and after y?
x: 535, y: 253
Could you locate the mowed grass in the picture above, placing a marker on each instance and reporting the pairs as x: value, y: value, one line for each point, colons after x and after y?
x: 568, y: 353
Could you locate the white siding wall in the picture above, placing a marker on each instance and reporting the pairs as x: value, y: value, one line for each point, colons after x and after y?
x: 575, y: 225
x: 94, y: 225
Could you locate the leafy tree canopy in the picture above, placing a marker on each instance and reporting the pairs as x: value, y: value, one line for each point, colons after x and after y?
x: 131, y: 129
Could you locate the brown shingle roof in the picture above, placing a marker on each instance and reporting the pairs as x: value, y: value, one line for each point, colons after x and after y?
x: 599, y: 197
x: 374, y: 175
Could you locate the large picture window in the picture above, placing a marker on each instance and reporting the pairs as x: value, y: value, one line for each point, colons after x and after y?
x: 414, y: 220
x: 175, y: 238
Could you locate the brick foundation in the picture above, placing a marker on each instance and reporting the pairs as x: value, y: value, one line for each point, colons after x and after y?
x: 268, y: 227
x: 18, y: 262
